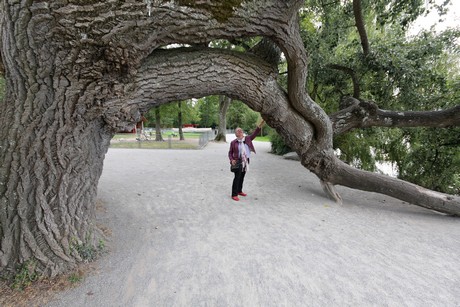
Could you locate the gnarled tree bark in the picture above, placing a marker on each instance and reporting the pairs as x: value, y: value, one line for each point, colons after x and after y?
x: 365, y: 114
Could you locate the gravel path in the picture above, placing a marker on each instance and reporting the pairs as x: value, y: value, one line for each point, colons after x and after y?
x: 179, y: 240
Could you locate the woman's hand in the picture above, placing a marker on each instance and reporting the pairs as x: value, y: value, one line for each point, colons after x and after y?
x: 233, y: 162
x: 261, y: 124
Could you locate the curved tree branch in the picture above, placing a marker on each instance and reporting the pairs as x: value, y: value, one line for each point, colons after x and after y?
x: 354, y: 78
x: 198, y: 72
x: 135, y: 33
x: 291, y: 43
x: 357, y: 11
x: 364, y: 114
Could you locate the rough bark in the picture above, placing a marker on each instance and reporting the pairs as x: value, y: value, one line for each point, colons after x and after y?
x: 51, y: 151
x: 365, y: 114
x: 77, y: 72
x: 224, y: 103
x: 351, y: 177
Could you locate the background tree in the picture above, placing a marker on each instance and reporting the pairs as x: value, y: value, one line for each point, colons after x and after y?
x: 208, y: 110
x: 239, y: 115
x: 224, y: 104
x: 78, y: 71
x: 158, y: 135
x: 179, y: 120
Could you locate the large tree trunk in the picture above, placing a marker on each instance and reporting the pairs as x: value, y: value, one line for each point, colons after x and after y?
x: 224, y: 103
x: 51, y: 154
x: 53, y: 139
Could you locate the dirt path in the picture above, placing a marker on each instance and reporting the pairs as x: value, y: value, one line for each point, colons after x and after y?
x: 179, y: 240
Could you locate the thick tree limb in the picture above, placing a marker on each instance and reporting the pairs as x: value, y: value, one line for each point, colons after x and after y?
x: 291, y: 43
x: 362, y: 114
x: 226, y: 76
x: 348, y: 176
x: 357, y: 11
x: 125, y: 41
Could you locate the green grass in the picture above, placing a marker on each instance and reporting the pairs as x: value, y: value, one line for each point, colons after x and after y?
x: 131, y: 143
x: 187, y: 135
x: 124, y: 136
x: 263, y: 138
x: 26, y: 274
x: 154, y: 145
x: 129, y: 136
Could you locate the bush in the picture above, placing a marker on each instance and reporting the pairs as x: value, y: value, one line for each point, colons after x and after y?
x: 278, y: 145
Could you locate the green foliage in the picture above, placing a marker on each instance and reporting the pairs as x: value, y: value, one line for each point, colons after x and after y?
x: 436, y: 166
x: 241, y: 45
x: 356, y: 149
x: 169, y: 115
x: 75, y: 278
x: 208, y: 111
x: 240, y: 115
x: 278, y: 147
x: 86, y: 250
x: 25, y: 275
x: 400, y: 73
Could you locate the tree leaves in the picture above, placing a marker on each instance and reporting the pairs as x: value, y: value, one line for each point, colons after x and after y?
x: 399, y: 73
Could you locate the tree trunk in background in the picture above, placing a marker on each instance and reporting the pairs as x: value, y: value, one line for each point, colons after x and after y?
x: 224, y: 103
x: 158, y: 136
x: 179, y: 117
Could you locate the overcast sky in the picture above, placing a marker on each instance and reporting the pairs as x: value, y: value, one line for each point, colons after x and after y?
x: 452, y: 19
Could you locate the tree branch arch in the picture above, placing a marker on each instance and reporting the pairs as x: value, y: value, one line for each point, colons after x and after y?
x: 268, y: 100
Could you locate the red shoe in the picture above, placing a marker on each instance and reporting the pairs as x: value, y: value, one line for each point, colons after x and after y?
x: 242, y: 194
x: 235, y: 198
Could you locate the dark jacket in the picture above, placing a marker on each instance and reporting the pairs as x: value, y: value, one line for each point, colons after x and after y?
x: 233, y: 152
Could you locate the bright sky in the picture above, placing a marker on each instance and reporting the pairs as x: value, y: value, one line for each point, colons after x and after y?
x: 451, y: 19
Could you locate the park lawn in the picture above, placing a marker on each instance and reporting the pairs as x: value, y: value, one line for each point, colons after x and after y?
x: 128, y: 140
x: 154, y: 145
x: 129, y: 136
x: 191, y: 135
x: 265, y: 138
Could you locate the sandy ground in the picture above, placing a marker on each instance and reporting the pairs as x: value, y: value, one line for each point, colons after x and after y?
x: 179, y: 240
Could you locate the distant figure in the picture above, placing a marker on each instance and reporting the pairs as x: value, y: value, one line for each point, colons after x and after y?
x: 239, y: 154
x: 140, y: 127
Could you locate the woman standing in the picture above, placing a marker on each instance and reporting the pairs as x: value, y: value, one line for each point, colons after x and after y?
x: 239, y: 156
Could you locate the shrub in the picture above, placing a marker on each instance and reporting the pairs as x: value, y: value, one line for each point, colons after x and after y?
x: 278, y: 146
